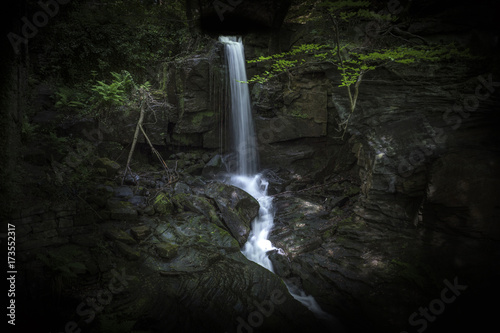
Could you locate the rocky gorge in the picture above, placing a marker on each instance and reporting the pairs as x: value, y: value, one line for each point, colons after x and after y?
x: 392, y: 228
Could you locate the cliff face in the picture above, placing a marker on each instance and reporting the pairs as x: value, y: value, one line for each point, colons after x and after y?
x: 375, y: 225
x: 419, y: 164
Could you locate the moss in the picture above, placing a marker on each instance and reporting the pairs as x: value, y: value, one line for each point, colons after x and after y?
x: 346, y: 220
x: 163, y: 204
x: 328, y: 234
x: 200, y: 116
x: 351, y: 191
x: 297, y: 113
x: 336, y: 212
x: 186, y: 139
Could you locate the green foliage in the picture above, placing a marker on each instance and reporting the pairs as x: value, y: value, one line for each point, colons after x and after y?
x: 101, y: 98
x: 358, y: 63
x: 283, y: 62
x: 109, y: 36
x: 110, y: 94
x: 355, y: 62
x: 352, y: 60
x: 69, y: 98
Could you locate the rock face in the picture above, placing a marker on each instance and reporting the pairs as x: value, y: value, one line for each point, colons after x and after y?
x: 188, y: 111
x: 375, y: 226
x: 237, y: 207
x: 178, y: 270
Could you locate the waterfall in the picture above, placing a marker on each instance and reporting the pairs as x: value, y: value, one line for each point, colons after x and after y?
x: 246, y: 177
x: 242, y: 130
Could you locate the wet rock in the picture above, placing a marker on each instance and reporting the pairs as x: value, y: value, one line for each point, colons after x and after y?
x: 281, y: 264
x: 238, y: 208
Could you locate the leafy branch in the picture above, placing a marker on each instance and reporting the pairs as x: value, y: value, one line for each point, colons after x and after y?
x: 353, y: 61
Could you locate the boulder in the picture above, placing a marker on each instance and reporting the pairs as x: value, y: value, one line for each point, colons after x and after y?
x: 238, y: 208
x: 196, y: 204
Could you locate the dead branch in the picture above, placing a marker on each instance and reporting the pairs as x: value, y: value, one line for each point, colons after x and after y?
x: 136, y: 136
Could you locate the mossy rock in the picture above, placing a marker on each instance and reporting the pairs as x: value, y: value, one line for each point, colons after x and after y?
x: 163, y: 204
x: 110, y: 166
x: 238, y: 208
x: 196, y: 204
x: 119, y: 236
x: 167, y: 250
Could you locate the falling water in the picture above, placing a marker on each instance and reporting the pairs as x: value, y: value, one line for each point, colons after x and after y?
x: 244, y: 143
x: 246, y: 177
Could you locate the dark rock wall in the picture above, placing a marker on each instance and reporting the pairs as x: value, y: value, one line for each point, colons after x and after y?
x: 408, y: 199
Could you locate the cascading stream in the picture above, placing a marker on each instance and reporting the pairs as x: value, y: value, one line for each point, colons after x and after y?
x: 246, y: 177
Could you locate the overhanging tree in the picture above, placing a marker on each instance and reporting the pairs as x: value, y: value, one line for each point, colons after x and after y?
x: 384, y: 45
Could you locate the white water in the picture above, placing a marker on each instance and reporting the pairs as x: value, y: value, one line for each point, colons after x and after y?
x: 243, y: 134
x: 258, y: 245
